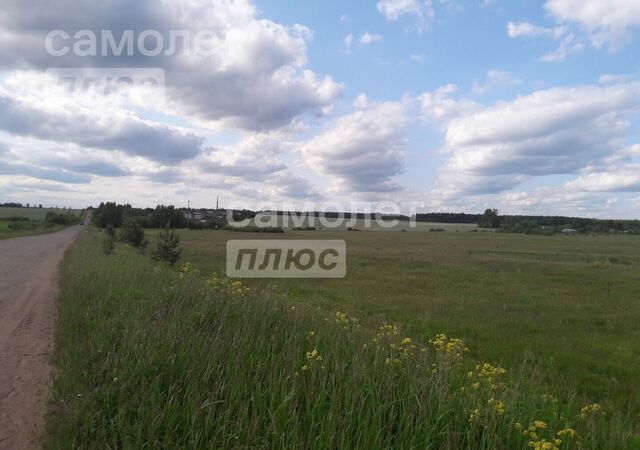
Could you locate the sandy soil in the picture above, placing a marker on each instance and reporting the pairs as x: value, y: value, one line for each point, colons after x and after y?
x: 28, y: 281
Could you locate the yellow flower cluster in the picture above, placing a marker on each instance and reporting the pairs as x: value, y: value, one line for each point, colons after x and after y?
x: 313, y: 359
x: 474, y: 416
x: 387, y: 331
x: 407, y: 348
x: 314, y: 355
x: 568, y: 432
x: 392, y: 361
x: 487, y: 374
x: 533, y: 430
x: 186, y: 270
x: 345, y: 321
x: 590, y: 410
x: 545, y: 445
x: 449, y: 346
x: 538, y: 443
x: 498, y: 406
x: 224, y: 285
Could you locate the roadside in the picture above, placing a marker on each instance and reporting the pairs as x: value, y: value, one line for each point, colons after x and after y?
x: 28, y: 281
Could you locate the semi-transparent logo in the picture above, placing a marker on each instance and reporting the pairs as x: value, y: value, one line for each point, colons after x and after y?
x: 286, y: 258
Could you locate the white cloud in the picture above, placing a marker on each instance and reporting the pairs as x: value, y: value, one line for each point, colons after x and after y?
x: 421, y: 10
x: 567, y: 39
x: 33, y: 105
x: 418, y: 58
x: 603, y: 23
x: 348, y: 40
x: 607, y: 22
x: 361, y: 152
x: 439, y: 107
x: 253, y: 61
x: 368, y: 38
x: 555, y: 131
x: 623, y: 179
x: 614, y: 79
x: 495, y: 78
x: 527, y: 29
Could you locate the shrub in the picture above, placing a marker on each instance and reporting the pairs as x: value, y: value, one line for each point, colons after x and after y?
x: 132, y: 233
x: 21, y: 225
x: 61, y: 218
x: 167, y: 247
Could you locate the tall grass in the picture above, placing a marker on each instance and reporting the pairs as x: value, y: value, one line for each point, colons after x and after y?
x: 153, y: 357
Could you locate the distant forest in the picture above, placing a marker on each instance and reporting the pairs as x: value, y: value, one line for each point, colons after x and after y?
x: 113, y: 214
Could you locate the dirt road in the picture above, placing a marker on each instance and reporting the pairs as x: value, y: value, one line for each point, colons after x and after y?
x: 28, y: 280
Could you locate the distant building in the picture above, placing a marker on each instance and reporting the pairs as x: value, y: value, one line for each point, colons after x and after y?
x: 570, y: 231
x: 203, y: 215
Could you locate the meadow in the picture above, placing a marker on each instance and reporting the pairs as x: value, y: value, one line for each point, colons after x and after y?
x: 571, y: 304
x: 31, y: 221
x: 153, y: 356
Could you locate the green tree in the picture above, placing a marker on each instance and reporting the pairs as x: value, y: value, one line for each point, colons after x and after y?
x: 167, y: 246
x: 132, y: 233
x: 489, y: 219
x: 167, y: 216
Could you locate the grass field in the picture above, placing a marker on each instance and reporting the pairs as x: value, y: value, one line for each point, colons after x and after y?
x: 34, y: 213
x: 36, y: 221
x: 148, y: 356
x: 571, y: 304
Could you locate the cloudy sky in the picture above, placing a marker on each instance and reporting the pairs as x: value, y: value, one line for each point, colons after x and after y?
x: 528, y: 106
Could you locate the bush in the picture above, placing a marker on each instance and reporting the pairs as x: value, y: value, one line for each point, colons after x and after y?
x: 132, y: 233
x: 167, y: 247
x: 61, y: 218
x: 21, y: 225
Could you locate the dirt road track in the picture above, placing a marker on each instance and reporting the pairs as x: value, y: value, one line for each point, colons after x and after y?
x: 28, y: 281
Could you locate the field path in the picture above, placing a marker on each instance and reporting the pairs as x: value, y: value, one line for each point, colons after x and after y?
x: 28, y: 281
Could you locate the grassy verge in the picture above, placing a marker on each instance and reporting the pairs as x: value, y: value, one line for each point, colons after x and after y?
x: 151, y: 357
x: 7, y: 233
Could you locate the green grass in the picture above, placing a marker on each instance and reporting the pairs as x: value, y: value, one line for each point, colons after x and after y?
x: 149, y: 358
x: 569, y: 303
x: 36, y: 224
x: 34, y: 213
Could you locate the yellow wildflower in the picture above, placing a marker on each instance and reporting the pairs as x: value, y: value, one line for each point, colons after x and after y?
x: 590, y: 410
x: 314, y: 355
x: 568, y: 432
x: 497, y: 405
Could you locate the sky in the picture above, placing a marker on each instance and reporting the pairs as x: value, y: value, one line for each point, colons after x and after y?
x: 527, y: 106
